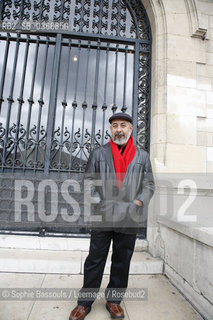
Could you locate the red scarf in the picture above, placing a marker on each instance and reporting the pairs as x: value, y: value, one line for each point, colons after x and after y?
x: 121, y: 161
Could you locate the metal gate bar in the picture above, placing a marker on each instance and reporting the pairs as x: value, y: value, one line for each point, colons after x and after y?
x: 125, y: 81
x: 4, y: 71
x: 10, y: 102
x: 64, y: 104
x: 41, y: 103
x: 74, y: 103
x: 52, y: 102
x: 20, y: 103
x: 31, y: 102
x: 84, y: 105
x: 94, y: 105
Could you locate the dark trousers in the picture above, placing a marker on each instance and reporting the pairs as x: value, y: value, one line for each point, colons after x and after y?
x: 122, y: 250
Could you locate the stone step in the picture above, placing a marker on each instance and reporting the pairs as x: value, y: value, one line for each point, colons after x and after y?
x: 75, y: 243
x: 68, y: 262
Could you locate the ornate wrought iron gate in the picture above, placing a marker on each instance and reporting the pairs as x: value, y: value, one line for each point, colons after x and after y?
x: 65, y: 66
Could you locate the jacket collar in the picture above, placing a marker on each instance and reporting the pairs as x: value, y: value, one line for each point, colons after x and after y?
x: 108, y: 156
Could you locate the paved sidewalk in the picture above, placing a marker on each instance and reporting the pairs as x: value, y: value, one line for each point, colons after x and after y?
x: 164, y: 301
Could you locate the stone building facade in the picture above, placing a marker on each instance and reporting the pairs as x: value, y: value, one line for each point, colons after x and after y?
x: 182, y: 145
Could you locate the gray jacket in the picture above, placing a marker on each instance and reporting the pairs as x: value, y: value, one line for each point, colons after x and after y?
x: 116, y: 209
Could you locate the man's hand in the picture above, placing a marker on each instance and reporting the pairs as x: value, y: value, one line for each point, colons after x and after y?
x: 138, y: 203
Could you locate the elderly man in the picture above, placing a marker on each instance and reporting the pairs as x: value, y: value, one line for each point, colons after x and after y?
x: 125, y: 189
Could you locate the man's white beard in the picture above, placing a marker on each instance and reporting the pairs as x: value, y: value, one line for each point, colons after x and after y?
x: 122, y: 141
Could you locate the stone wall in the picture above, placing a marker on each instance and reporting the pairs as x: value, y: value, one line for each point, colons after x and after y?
x: 182, y: 85
x: 182, y: 144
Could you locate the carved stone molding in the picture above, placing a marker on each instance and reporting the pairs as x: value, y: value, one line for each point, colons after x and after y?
x: 198, y: 30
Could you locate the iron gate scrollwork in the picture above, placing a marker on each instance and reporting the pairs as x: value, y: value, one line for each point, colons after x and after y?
x: 65, y: 67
